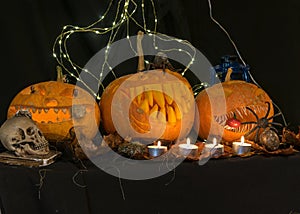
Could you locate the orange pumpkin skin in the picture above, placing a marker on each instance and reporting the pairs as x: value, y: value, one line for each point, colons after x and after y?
x: 236, y: 95
x: 52, y: 105
x: 148, y: 105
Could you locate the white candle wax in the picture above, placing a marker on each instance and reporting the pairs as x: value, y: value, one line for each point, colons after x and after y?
x: 188, y: 145
x: 240, y: 148
x: 157, y: 150
x: 214, y: 148
x: 187, y: 148
x: 211, y: 146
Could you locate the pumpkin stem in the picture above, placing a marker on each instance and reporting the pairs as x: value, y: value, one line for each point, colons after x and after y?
x: 60, y: 77
x: 141, y: 65
x: 228, y: 75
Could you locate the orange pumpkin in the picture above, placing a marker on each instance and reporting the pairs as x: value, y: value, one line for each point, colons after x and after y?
x: 57, y: 107
x: 236, y: 95
x: 154, y: 104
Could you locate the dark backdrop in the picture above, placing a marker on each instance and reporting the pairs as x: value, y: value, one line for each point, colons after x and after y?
x: 266, y: 33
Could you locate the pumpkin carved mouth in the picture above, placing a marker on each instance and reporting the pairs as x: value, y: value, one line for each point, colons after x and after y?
x: 242, y: 114
x: 62, y: 114
x: 155, y: 101
x: 160, y: 105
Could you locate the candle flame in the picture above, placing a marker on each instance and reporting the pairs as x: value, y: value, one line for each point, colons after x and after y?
x: 188, y: 141
x: 242, y: 140
x: 159, y: 143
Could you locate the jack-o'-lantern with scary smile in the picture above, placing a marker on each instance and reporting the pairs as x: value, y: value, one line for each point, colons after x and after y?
x: 243, y: 103
x: 154, y: 104
x: 57, y: 107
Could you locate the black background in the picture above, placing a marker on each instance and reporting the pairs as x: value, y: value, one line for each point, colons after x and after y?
x: 266, y: 34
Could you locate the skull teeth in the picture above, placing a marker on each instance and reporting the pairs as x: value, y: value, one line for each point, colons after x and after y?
x: 40, y: 146
x: 32, y: 145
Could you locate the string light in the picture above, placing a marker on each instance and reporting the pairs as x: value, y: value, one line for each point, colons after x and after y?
x: 240, y: 57
x: 124, y: 14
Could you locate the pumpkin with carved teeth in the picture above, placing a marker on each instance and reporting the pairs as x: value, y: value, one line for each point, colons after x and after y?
x: 149, y: 105
x: 237, y: 96
x: 153, y: 104
x: 57, y: 107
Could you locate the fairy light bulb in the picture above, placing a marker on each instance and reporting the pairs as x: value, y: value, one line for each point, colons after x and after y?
x: 124, y: 14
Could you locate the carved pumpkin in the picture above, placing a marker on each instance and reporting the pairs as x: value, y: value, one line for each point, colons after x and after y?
x: 236, y: 96
x: 57, y: 107
x: 153, y: 104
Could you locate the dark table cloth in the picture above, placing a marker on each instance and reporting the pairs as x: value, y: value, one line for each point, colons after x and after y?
x: 257, y: 184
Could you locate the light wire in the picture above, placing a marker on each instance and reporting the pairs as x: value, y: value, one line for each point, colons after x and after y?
x: 239, y: 55
x: 125, y: 11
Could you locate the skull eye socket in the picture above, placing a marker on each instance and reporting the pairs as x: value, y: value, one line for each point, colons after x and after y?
x: 30, y: 131
x: 14, y: 139
x: 21, y: 133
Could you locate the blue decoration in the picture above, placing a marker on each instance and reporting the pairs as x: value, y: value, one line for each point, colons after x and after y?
x: 239, y: 71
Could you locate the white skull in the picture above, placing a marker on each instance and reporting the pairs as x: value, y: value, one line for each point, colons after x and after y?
x: 20, y: 135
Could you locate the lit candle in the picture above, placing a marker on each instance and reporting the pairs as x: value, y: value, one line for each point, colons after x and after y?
x: 240, y: 148
x: 157, y: 150
x: 215, y: 149
x: 187, y: 148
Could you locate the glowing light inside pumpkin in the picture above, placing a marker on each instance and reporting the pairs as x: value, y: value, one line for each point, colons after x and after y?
x: 46, y: 115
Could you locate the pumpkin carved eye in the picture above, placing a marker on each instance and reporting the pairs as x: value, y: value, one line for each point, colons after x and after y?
x: 32, y: 90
